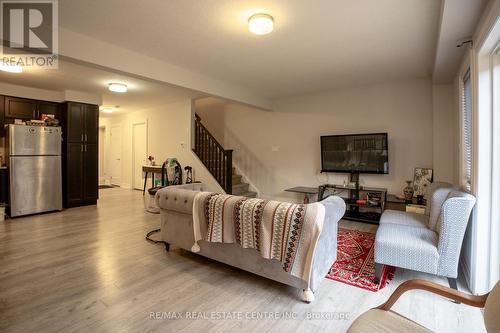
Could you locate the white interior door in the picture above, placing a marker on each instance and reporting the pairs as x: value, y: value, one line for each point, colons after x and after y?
x: 102, y: 168
x: 116, y: 154
x: 139, y: 153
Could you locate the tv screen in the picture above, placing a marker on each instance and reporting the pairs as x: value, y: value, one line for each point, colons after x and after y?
x: 361, y: 153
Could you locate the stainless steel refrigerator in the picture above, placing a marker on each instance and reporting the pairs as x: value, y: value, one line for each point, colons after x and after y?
x: 34, y: 163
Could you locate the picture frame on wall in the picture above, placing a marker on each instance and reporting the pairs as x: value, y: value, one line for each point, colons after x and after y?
x: 422, y: 179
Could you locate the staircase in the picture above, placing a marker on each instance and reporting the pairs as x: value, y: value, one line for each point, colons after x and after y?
x: 241, y: 188
x: 218, y: 161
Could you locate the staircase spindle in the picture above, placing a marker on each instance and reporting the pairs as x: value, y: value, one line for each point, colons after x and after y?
x: 215, y: 158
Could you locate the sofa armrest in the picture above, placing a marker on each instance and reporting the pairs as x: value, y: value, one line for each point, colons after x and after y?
x: 452, y: 224
x: 176, y: 198
x: 325, y: 253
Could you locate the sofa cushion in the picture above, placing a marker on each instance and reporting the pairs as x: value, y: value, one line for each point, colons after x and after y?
x: 376, y: 320
x: 403, y: 218
x: 407, y: 247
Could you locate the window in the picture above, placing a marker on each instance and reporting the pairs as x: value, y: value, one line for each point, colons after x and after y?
x: 466, y: 131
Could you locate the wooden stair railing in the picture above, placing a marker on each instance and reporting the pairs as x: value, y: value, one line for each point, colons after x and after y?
x: 217, y: 160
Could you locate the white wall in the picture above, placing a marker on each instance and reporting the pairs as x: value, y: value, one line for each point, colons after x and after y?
x: 445, y: 136
x: 212, y: 117
x: 280, y: 149
x: 169, y: 132
x: 44, y: 95
x: 83, y: 48
x: 49, y: 95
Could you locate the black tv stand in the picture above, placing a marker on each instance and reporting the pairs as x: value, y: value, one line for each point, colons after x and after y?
x: 354, y: 178
x: 369, y: 211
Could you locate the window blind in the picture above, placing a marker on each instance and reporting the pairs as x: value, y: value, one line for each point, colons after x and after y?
x: 467, y: 130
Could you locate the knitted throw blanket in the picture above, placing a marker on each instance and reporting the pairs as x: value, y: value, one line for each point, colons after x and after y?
x: 277, y: 230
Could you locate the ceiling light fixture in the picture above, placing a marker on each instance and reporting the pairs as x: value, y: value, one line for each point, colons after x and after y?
x: 107, y: 110
x: 117, y: 87
x: 261, y: 24
x: 6, y: 67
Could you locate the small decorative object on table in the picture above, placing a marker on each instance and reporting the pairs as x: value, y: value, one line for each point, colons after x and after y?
x: 189, y: 174
x: 421, y: 180
x: 420, y: 199
x: 151, y: 160
x: 408, y: 191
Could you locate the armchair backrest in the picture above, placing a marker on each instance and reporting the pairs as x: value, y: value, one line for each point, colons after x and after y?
x: 438, y: 193
x: 451, y: 225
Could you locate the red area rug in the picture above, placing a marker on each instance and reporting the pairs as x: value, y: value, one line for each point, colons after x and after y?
x: 355, y: 264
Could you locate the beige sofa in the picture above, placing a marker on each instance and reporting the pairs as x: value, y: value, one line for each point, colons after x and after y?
x: 176, y: 209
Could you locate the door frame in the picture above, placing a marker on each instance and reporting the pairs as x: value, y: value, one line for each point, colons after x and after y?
x: 132, y: 125
x: 115, y: 126
x: 104, y: 156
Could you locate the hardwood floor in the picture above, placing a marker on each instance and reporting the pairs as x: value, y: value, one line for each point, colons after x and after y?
x: 90, y: 269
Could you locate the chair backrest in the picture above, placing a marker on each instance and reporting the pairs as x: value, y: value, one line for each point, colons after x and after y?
x: 452, y: 222
x: 492, y: 310
x: 438, y: 193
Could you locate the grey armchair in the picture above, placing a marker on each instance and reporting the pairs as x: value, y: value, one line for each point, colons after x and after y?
x: 428, y: 242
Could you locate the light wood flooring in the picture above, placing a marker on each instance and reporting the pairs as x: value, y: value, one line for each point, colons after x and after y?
x: 89, y: 269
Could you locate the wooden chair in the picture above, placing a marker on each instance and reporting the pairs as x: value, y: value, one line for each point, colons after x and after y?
x: 382, y: 319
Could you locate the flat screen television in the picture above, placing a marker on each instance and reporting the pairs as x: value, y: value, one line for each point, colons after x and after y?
x: 355, y: 153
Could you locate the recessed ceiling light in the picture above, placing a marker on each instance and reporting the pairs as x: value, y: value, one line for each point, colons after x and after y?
x: 260, y: 24
x: 107, y: 110
x: 6, y: 67
x: 117, y: 87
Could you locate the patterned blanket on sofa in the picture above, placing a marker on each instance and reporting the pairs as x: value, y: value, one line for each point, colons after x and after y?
x: 277, y: 230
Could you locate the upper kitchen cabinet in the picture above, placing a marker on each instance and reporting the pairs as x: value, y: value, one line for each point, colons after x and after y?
x: 20, y: 108
x: 91, y: 123
x: 75, y: 122
x: 12, y: 108
x: 44, y: 107
x: 82, y: 122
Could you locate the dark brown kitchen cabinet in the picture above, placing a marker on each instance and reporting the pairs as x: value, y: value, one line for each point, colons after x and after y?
x: 74, y: 173
x: 20, y: 108
x: 44, y: 107
x: 90, y: 186
x: 80, y: 134
x: 75, y: 120
x: 27, y: 109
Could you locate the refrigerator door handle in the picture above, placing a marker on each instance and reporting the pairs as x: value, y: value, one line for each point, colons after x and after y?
x: 85, y: 137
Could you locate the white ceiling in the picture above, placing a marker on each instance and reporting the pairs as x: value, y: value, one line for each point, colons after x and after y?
x: 316, y: 45
x: 142, y: 94
x: 458, y: 21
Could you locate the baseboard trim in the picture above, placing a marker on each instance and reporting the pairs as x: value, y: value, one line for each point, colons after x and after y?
x: 126, y: 185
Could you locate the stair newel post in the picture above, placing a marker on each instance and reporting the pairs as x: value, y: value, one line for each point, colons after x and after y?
x: 229, y: 171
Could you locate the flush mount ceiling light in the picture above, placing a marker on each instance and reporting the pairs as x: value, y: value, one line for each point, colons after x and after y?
x: 6, y: 67
x: 261, y: 24
x: 107, y: 110
x: 117, y: 87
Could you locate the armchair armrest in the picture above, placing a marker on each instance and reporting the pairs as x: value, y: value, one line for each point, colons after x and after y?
x: 477, y: 301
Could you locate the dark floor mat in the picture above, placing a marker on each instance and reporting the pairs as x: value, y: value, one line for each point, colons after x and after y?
x: 101, y: 187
